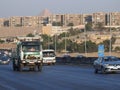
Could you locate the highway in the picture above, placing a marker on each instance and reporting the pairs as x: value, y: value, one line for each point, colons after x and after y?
x: 58, y: 77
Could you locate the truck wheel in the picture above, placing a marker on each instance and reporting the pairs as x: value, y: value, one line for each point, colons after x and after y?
x: 20, y: 67
x: 13, y: 64
x: 39, y: 67
x: 53, y: 63
x: 14, y: 67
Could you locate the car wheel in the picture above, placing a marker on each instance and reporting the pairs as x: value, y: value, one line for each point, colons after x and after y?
x: 40, y: 67
x: 103, y: 70
x: 96, y: 71
x: 20, y: 67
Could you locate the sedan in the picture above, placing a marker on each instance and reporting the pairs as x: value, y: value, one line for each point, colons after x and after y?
x: 107, y: 64
x: 4, y: 60
x: 66, y: 58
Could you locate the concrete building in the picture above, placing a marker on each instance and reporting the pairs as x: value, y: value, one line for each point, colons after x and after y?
x: 15, y: 21
x: 47, y: 29
x: 75, y: 19
x: 1, y: 22
x: 99, y: 17
x: 58, y: 19
x: 115, y: 19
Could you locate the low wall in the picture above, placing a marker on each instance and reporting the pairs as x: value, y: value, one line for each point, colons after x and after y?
x: 75, y: 60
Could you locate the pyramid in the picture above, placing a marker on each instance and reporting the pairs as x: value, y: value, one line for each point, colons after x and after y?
x: 45, y: 13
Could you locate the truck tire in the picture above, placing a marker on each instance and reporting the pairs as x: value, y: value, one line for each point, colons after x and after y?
x: 20, y: 67
x: 53, y: 63
x: 39, y: 67
x: 14, y: 65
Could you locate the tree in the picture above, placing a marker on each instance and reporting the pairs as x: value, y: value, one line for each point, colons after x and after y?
x: 99, y: 26
x: 18, y: 25
x: 30, y: 35
x: 70, y: 24
x: 91, y: 46
x: 117, y: 48
x: 88, y: 26
x: 46, y: 41
x: 6, y: 23
x: 56, y: 24
x: 2, y: 41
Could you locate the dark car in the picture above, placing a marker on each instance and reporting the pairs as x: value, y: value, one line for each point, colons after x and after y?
x: 79, y: 58
x: 66, y: 58
x: 4, y: 59
x: 107, y: 64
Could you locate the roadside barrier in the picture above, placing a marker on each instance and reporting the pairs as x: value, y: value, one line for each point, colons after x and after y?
x: 75, y: 60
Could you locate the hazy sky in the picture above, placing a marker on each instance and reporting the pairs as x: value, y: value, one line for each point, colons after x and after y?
x: 34, y: 7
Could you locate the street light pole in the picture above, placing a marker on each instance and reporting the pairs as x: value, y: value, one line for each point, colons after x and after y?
x: 55, y: 43
x: 85, y: 40
x: 48, y: 42
x: 65, y: 41
x: 110, y: 48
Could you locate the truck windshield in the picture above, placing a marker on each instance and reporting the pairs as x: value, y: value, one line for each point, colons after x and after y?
x: 48, y: 54
x: 30, y: 48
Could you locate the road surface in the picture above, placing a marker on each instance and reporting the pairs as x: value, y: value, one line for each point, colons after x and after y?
x: 58, y: 77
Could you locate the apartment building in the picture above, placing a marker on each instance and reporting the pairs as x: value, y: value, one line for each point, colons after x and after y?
x: 47, y: 29
x: 30, y: 21
x: 1, y: 22
x: 58, y: 19
x: 115, y: 19
x: 107, y: 19
x: 72, y: 19
x: 99, y: 17
x: 15, y: 21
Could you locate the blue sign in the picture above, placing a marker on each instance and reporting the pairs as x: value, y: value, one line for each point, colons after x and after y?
x: 101, y: 51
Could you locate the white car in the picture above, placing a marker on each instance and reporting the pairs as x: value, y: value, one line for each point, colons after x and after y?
x: 49, y: 56
x: 107, y: 64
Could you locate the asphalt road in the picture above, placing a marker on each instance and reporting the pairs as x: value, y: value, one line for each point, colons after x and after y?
x: 58, y: 77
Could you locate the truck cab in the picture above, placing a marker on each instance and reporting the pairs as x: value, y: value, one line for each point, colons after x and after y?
x: 28, y: 54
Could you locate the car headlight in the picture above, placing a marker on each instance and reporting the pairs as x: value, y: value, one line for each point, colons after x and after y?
x: 106, y: 64
x: 8, y: 60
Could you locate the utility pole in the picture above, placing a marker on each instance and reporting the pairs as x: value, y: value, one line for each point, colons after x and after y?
x: 55, y: 42
x: 110, y: 48
x: 65, y: 41
x: 48, y: 42
x: 85, y: 39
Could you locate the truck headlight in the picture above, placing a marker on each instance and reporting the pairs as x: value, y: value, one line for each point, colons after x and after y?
x: 39, y: 61
x: 23, y: 61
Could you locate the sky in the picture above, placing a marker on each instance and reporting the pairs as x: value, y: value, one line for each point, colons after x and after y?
x: 10, y: 8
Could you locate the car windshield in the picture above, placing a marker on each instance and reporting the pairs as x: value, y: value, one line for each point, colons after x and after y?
x: 111, y: 59
x: 48, y: 54
x: 30, y: 48
x: 4, y: 58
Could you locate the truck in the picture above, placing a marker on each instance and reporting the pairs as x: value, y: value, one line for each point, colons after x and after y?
x: 28, y: 53
x: 49, y: 56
